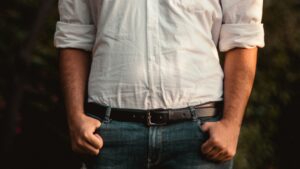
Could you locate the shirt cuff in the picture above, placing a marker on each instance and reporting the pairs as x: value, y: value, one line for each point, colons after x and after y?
x: 241, y: 35
x: 69, y: 35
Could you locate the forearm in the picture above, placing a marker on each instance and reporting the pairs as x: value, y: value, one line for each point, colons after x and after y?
x: 74, y: 70
x: 239, y: 73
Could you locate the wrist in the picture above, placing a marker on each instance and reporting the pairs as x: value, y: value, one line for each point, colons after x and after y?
x: 75, y: 115
x: 74, y: 110
x: 231, y: 123
x: 232, y: 116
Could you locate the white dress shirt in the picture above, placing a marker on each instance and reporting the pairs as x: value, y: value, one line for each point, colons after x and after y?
x: 151, y: 54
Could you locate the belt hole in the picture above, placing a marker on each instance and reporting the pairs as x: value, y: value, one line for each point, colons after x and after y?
x: 160, y: 117
x: 133, y: 116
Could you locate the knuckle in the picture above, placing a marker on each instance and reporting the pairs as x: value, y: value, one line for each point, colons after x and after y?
x: 221, y: 147
x: 85, y: 134
x: 214, y: 141
x: 230, y: 154
x: 226, y: 152
x: 95, y: 152
x: 101, y: 144
x: 97, y: 146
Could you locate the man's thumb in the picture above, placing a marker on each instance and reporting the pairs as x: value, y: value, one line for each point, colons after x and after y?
x: 205, y: 127
x: 98, y: 124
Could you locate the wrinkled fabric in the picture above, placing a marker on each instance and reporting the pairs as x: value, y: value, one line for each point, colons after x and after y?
x: 151, y: 54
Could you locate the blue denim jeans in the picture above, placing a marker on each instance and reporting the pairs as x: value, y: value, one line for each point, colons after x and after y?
x: 133, y: 145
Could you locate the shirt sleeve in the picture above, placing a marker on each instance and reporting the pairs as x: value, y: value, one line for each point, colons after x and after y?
x: 75, y: 28
x: 241, y: 25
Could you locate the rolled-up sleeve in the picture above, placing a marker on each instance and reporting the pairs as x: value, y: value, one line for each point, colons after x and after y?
x: 75, y: 28
x: 241, y: 25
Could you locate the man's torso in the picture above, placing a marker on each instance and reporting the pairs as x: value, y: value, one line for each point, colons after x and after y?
x: 155, y: 54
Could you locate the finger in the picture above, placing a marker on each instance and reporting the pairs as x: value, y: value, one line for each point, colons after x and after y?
x: 213, y: 154
x: 98, y: 124
x: 224, y: 160
x: 95, y: 122
x: 217, y: 155
x: 88, y: 148
x: 227, y: 158
x: 83, y: 148
x: 100, y: 138
x: 205, y: 126
x: 94, y: 141
x: 223, y: 156
x: 207, y: 146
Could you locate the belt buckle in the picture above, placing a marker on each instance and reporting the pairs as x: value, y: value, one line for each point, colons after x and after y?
x: 150, y: 123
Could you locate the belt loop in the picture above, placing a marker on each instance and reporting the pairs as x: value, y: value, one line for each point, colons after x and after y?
x: 107, y: 115
x: 193, y: 112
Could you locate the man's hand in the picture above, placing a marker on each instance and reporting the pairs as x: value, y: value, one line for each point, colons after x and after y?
x: 222, y: 142
x: 83, y: 136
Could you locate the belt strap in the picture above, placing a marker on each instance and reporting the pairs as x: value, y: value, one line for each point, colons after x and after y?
x: 155, y: 116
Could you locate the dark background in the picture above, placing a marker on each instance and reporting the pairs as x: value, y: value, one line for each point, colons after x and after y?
x: 33, y: 129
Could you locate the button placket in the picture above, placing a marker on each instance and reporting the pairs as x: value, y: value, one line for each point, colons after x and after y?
x: 152, y: 31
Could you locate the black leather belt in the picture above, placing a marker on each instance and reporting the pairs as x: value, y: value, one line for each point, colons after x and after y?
x: 155, y: 116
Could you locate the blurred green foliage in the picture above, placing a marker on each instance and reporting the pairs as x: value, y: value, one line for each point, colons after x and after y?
x: 276, y: 84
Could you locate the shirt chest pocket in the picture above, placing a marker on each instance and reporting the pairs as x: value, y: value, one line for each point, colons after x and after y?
x: 192, y: 5
x: 116, y: 21
x: 116, y: 29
